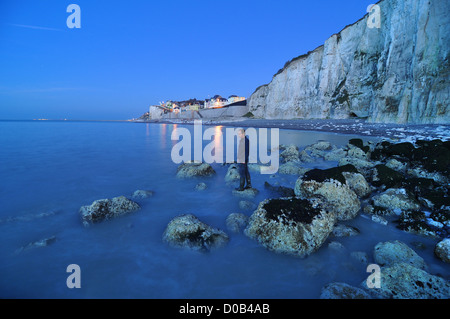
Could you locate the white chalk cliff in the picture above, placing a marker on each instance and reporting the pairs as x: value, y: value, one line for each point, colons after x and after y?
x: 397, y: 73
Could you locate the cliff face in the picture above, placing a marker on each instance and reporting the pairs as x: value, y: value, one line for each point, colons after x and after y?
x: 398, y: 73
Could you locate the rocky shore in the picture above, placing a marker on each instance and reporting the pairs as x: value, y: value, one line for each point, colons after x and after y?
x: 403, y: 184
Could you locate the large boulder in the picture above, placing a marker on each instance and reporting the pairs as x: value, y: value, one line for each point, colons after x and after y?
x: 187, y: 231
x: 291, y: 226
x: 194, y: 169
x: 330, y: 185
x: 391, y: 252
x: 404, y: 281
x: 104, y: 209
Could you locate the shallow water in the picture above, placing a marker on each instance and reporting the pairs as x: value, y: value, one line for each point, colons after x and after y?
x: 50, y: 169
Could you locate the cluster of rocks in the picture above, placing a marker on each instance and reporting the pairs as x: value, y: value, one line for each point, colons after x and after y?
x: 105, y: 209
x: 382, y: 180
x: 402, y: 275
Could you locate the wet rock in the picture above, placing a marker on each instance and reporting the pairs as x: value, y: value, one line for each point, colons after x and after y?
x: 105, y: 209
x: 201, y: 186
x: 335, y: 155
x: 379, y: 219
x: 292, y: 168
x: 357, y: 183
x: 345, y: 231
x: 386, y: 177
x: 391, y: 252
x: 327, y: 185
x: 236, y: 222
x: 396, y: 165
x: 357, y: 152
x: 194, y: 169
x: 232, y: 174
x: 360, y: 256
x: 247, y: 205
x: 404, y: 281
x: 442, y: 250
x: 246, y: 193
x: 188, y: 232
x: 363, y: 166
x: 396, y: 198
x: 340, y: 290
x: 142, y: 194
x: 290, y: 154
x: 290, y: 226
x: 415, y: 222
x: 280, y: 191
x: 359, y: 144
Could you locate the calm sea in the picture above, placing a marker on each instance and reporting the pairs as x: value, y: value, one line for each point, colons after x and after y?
x: 49, y: 169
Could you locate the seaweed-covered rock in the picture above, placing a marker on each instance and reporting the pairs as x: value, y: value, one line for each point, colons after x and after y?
x: 360, y: 144
x: 193, y: 169
x: 416, y: 222
x: 386, y: 177
x: 321, y: 175
x: 442, y: 250
x: 291, y: 226
x: 104, y: 209
x: 357, y: 183
x: 391, y: 252
x: 290, y: 153
x: 280, y: 191
x: 338, y: 196
x: 404, y: 281
x: 340, y: 290
x: 187, y: 231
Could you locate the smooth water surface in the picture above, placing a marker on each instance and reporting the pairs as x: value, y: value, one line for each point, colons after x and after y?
x: 48, y: 170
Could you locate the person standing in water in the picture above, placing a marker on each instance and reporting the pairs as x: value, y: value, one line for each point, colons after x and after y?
x: 242, y: 159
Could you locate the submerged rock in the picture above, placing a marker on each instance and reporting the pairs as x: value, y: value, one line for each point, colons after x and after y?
x: 142, y: 194
x: 236, y: 222
x: 232, y: 173
x: 340, y: 290
x: 246, y: 193
x: 201, y: 186
x: 104, y: 209
x: 187, y: 231
x: 40, y: 243
x: 194, y: 169
x: 290, y: 226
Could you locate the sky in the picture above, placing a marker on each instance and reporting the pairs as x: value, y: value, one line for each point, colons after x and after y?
x: 128, y: 55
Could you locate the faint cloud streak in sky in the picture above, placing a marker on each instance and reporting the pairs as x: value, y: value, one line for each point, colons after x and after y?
x: 33, y: 27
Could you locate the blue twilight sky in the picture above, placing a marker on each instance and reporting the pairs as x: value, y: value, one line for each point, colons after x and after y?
x: 128, y: 55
